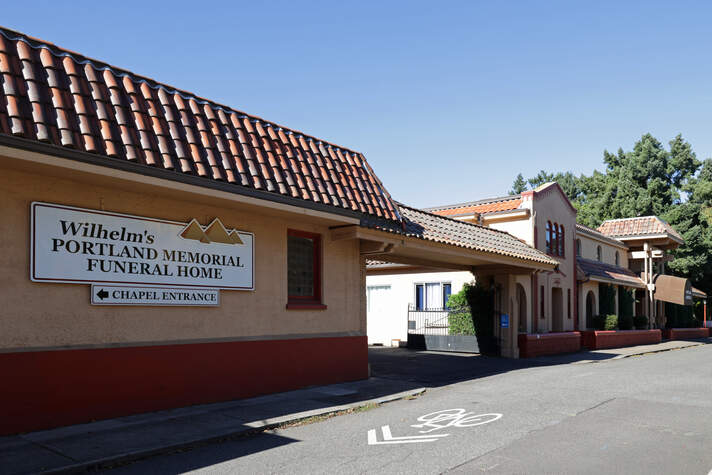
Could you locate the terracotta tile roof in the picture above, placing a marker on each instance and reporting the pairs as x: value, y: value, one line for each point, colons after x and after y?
x: 640, y: 226
x: 432, y: 227
x: 492, y: 205
x: 621, y: 275
x: 592, y: 232
x: 51, y: 95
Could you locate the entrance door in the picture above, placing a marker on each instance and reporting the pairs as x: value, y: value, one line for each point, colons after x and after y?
x: 557, y: 309
x: 590, y: 309
x: 522, y: 307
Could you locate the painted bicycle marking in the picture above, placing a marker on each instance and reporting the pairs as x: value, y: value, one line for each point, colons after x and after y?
x: 453, y: 418
x: 431, y: 422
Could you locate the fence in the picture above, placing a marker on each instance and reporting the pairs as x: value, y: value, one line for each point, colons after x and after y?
x: 429, y: 329
x: 428, y: 321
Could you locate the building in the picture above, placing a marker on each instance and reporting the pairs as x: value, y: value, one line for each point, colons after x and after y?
x: 624, y: 255
x: 160, y: 249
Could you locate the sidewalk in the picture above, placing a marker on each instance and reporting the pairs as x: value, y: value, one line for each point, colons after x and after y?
x: 99, y: 444
x: 591, y: 356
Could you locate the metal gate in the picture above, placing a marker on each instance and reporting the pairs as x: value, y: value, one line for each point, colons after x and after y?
x: 429, y: 329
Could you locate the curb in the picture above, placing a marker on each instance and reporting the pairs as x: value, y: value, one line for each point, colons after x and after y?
x: 253, y: 428
x: 650, y: 352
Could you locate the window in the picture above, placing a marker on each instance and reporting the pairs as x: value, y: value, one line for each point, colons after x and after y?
x: 555, y: 239
x: 541, y: 303
x: 618, y: 258
x: 432, y: 295
x: 598, y: 254
x: 578, y: 247
x: 303, y: 270
x: 447, y: 290
x: 376, y: 297
x: 568, y: 303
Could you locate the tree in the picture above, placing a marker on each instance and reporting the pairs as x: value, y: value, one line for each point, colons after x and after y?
x: 518, y: 186
x: 650, y: 180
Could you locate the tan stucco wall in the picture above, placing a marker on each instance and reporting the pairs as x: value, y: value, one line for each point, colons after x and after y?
x: 53, y: 315
x: 608, y: 251
x: 550, y: 205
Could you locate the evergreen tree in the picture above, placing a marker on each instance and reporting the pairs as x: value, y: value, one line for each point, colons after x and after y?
x: 518, y: 186
x: 650, y: 180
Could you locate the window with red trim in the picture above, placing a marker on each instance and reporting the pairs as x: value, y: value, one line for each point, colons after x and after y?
x: 304, y: 270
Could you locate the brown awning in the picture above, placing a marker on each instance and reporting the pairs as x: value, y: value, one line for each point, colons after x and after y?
x: 672, y: 289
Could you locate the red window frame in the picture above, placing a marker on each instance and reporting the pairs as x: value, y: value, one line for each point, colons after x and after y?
x: 307, y: 302
x: 562, y: 241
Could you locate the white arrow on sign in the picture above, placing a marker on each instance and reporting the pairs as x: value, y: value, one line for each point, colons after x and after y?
x: 410, y: 439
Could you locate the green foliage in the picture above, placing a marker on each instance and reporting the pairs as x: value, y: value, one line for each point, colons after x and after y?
x: 625, y: 308
x: 625, y: 322
x: 640, y: 322
x: 460, y: 317
x: 605, y: 322
x: 626, y: 301
x: 606, y: 299
x: 680, y: 316
x: 518, y: 186
x: 480, y: 299
x: 650, y: 179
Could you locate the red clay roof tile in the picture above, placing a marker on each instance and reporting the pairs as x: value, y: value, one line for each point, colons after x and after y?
x: 639, y: 226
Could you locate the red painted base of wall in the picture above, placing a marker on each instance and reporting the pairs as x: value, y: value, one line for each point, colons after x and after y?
x: 685, y: 333
x: 47, y: 389
x: 597, y: 340
x: 548, y: 344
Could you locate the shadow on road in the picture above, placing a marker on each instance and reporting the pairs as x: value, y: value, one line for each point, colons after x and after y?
x: 433, y: 369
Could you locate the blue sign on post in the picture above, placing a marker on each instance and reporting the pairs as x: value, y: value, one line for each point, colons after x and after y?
x: 504, y: 320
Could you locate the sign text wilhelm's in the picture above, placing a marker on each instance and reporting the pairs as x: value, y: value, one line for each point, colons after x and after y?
x: 75, y: 245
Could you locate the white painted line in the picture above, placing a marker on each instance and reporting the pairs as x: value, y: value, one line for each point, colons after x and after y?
x: 389, y: 439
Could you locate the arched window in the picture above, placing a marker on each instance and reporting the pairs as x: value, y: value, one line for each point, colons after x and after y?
x: 618, y: 258
x: 562, y: 241
x: 598, y: 254
x: 548, y: 237
x: 578, y: 247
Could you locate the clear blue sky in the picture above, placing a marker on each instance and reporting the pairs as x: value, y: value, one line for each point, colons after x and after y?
x: 447, y: 100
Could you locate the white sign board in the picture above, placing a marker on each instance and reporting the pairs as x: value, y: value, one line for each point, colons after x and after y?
x: 82, y: 246
x: 132, y: 295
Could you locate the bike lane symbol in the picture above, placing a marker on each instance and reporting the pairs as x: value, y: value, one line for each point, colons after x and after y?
x: 432, y: 422
x: 453, y: 418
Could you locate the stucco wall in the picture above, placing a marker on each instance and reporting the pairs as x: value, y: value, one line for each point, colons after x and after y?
x: 608, y: 251
x: 389, y: 321
x: 42, y: 315
x: 551, y: 205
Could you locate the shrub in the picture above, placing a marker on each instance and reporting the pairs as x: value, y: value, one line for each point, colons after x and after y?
x: 605, y: 322
x: 480, y: 299
x: 680, y: 316
x: 626, y: 301
x: 606, y: 299
x: 625, y: 322
x: 460, y: 317
x: 640, y: 322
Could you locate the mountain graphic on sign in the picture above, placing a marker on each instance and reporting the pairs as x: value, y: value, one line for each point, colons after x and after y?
x: 214, y: 232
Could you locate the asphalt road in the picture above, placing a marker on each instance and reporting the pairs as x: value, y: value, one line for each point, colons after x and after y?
x: 647, y: 414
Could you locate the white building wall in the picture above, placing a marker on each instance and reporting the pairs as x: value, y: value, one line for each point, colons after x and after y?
x: 388, y: 297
